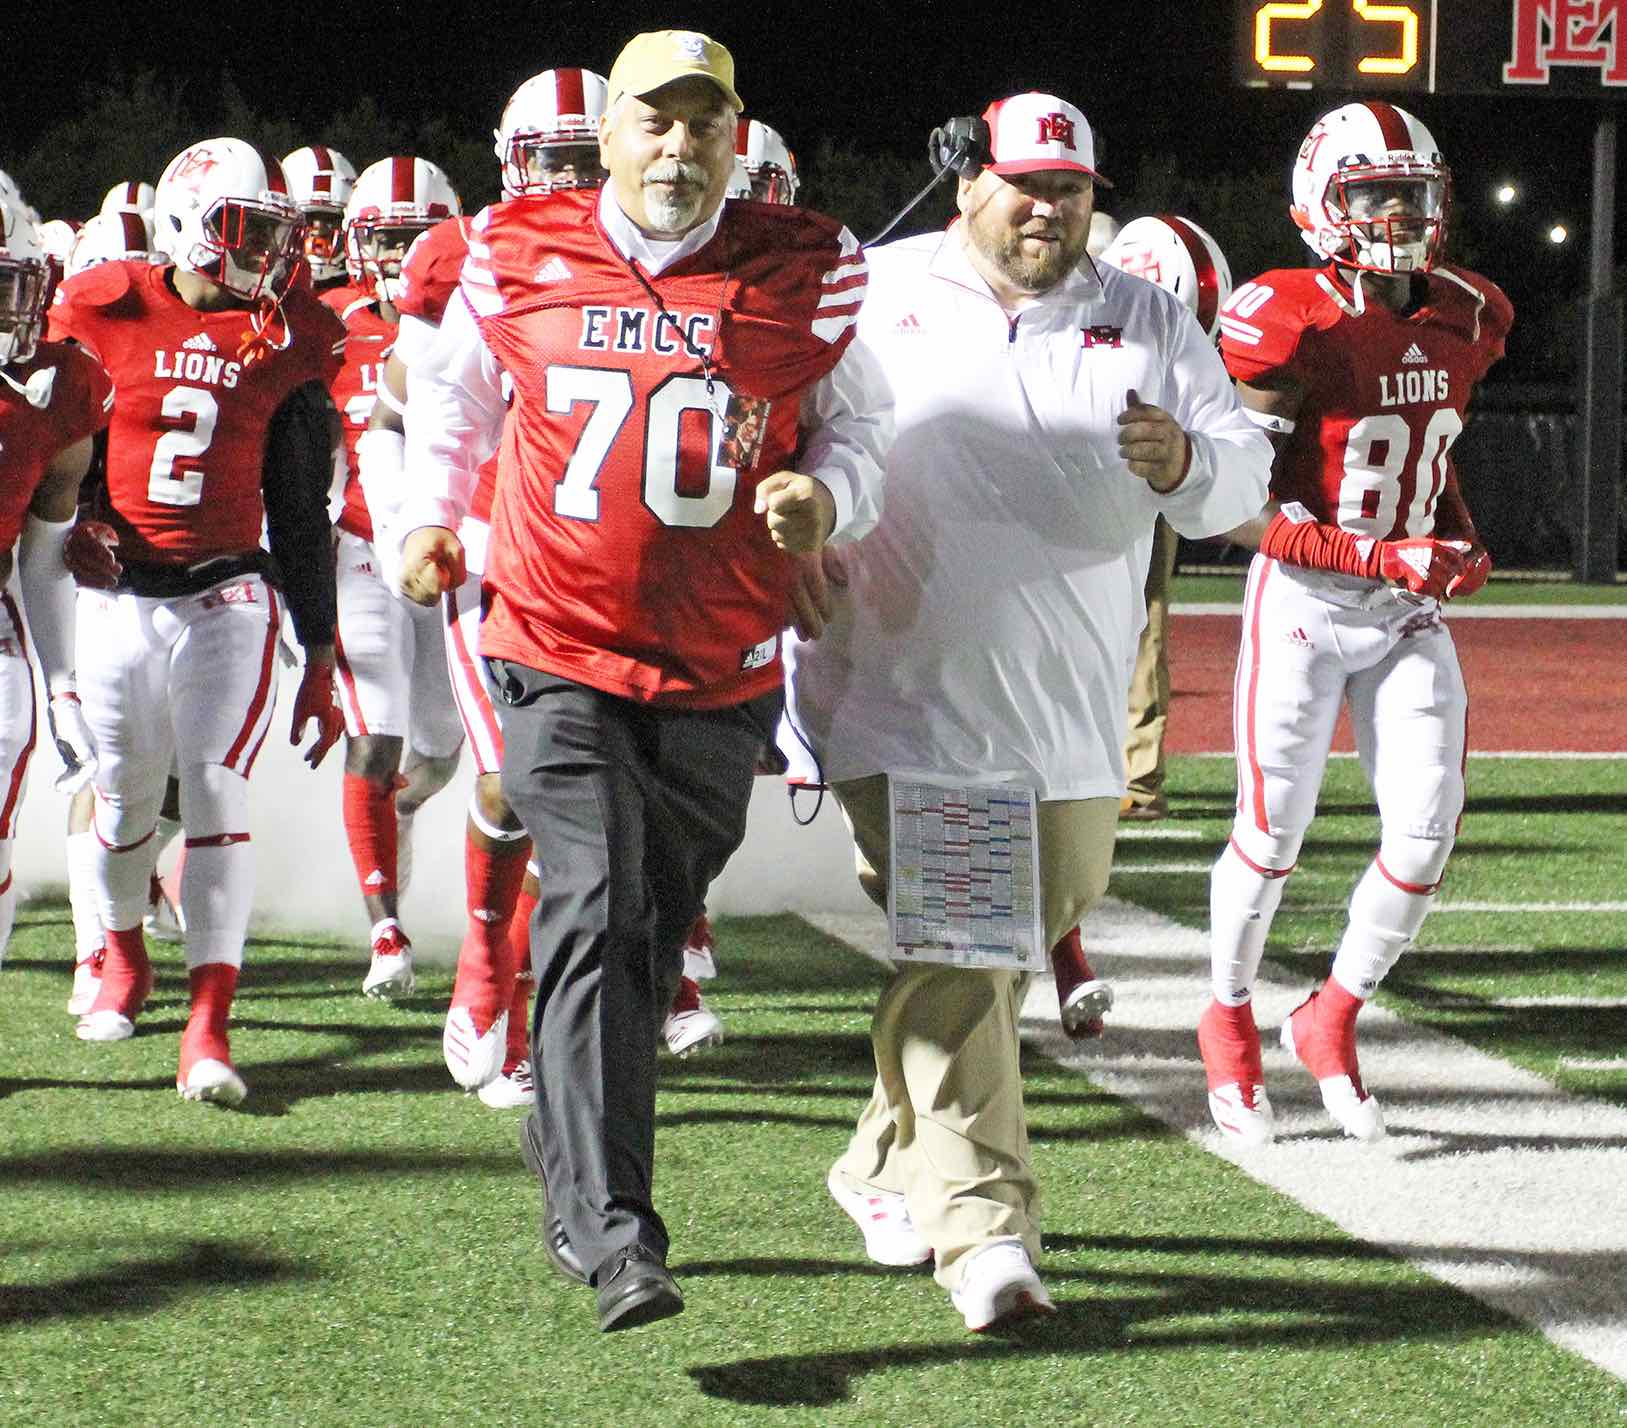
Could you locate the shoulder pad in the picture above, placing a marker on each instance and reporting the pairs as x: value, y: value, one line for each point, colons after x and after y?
x: 101, y: 286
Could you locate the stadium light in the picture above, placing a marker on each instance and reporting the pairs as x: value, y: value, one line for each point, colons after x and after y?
x: 1505, y: 193
x: 1558, y: 234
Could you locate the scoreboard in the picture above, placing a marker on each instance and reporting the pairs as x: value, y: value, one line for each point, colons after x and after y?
x: 1572, y: 49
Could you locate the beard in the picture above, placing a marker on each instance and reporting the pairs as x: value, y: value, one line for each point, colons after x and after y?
x: 1026, y: 269
x: 675, y: 210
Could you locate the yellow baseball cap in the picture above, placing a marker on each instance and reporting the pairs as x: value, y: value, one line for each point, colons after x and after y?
x: 658, y: 57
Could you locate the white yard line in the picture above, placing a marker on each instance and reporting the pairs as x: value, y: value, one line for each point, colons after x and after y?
x: 1457, y: 612
x: 1491, y: 1180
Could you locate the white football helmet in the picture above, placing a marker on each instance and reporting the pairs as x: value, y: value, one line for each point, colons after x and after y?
x: 222, y: 211
x: 548, y: 137
x: 769, y: 162
x: 394, y: 201
x: 25, y: 277
x: 320, y: 180
x: 1370, y: 189
x: 56, y: 236
x: 136, y: 196
x: 124, y: 233
x: 739, y: 181
x: 1181, y: 258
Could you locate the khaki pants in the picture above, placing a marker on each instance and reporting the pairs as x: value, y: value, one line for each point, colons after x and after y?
x: 1149, y: 685
x: 945, y: 1125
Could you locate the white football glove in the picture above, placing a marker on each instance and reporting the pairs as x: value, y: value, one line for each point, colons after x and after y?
x: 73, y: 740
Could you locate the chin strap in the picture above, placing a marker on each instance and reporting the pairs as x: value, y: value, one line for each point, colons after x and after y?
x: 36, y: 391
x: 259, y: 340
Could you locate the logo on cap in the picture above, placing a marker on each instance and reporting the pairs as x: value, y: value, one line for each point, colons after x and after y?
x: 1056, y: 129
x: 689, y: 44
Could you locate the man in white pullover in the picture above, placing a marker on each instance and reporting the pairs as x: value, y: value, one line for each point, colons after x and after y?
x: 1046, y: 415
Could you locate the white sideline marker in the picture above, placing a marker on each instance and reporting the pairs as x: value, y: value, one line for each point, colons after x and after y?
x: 1491, y: 1179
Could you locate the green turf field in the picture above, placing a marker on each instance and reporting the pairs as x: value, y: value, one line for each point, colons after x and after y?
x: 1190, y: 588
x: 358, y: 1245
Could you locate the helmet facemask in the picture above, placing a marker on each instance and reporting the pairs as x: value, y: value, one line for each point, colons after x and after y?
x: 249, y: 247
x: 377, y: 248
x: 538, y: 162
x: 771, y: 184
x: 23, y: 286
x: 1391, y: 216
x: 324, y: 240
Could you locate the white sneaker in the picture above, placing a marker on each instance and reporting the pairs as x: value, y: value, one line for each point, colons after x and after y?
x: 690, y: 1023
x: 212, y: 1080
x: 162, y: 919
x: 890, y: 1236
x: 998, y: 1287
x: 1358, y: 1115
x: 87, y: 982
x: 510, y: 1089
x: 105, y: 1025
x: 389, y: 974
x: 473, y: 1060
x: 1247, y: 1117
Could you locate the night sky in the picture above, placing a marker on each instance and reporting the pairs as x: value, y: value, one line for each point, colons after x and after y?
x: 1152, y: 75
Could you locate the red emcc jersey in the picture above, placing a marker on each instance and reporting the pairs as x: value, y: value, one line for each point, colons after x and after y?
x: 625, y: 553
x: 81, y: 400
x: 1383, y: 395
x: 186, y: 446
x: 429, y: 278
x: 356, y: 387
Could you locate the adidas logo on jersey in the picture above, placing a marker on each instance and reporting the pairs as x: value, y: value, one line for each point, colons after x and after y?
x: 1414, y: 354
x: 1297, y: 636
x: 201, y: 343
x: 553, y: 271
x: 909, y: 326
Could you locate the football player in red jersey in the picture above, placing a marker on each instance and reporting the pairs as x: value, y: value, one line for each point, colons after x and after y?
x: 1361, y: 370
x: 53, y: 399
x: 546, y: 141
x: 638, y: 578
x: 390, y: 659
x: 222, y: 422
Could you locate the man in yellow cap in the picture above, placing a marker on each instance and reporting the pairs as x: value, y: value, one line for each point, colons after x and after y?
x: 638, y: 578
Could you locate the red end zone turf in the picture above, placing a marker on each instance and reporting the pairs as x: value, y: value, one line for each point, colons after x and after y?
x: 1541, y: 685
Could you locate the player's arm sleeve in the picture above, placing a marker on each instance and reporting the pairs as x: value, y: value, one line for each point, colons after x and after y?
x: 299, y: 455
x: 847, y: 425
x: 455, y: 411
x: 1230, y: 472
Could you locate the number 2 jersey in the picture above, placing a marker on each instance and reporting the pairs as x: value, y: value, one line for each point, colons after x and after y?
x: 191, y: 418
x: 626, y: 553
x: 1383, y: 394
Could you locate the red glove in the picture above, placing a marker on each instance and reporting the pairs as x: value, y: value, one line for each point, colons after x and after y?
x: 316, y: 700
x: 91, y: 555
x: 1424, y: 565
x: 1476, y: 567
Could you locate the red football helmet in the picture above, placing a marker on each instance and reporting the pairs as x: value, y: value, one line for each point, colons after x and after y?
x: 394, y: 201
x: 548, y: 137
x: 1371, y: 191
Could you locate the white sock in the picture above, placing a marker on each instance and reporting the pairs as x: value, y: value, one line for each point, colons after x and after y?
x: 82, y: 900
x: 1242, y: 905
x: 1385, y: 916
x: 217, y: 891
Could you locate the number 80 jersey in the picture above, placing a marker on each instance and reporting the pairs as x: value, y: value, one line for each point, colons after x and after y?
x: 1383, y: 395
x: 186, y: 447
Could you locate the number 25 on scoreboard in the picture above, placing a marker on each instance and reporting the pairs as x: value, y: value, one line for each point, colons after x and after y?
x: 1289, y: 39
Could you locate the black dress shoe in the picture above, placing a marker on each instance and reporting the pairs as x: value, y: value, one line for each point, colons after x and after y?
x: 638, y: 1290
x: 555, y: 1243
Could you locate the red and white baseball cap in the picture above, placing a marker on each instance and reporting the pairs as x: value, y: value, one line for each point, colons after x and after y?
x: 1033, y: 131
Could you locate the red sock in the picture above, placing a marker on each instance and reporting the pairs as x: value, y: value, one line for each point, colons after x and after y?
x: 213, y: 986
x: 486, y: 962
x: 519, y: 1022
x: 127, y: 975
x: 370, y: 830
x: 1068, y: 961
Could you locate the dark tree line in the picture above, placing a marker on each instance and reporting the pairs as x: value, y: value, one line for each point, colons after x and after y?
x: 130, y: 127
